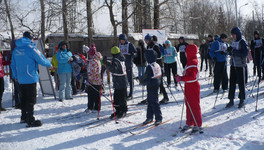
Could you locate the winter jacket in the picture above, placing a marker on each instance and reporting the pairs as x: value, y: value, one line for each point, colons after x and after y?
x: 63, y: 57
x: 2, y: 71
x: 140, y: 59
x: 77, y: 64
x: 257, y: 46
x: 218, y: 50
x: 94, y: 69
x: 153, y: 74
x: 192, y: 87
x: 204, y: 50
x: 118, y: 70
x: 182, y: 49
x: 209, y: 43
x: 170, y: 54
x: 128, y: 50
x: 155, y: 47
x: 25, y: 60
x: 239, y: 51
x: 54, y: 63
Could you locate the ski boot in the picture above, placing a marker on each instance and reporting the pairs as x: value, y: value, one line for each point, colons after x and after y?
x: 241, y: 103
x: 147, y: 121
x: 230, y: 104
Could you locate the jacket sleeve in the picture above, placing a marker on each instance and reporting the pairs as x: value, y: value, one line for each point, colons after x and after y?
x: 252, y: 44
x: 13, y: 67
x: 62, y: 57
x: 112, y: 67
x: 190, y: 74
x: 148, y: 76
x: 212, y: 49
x: 132, y: 49
x: 157, y: 49
x: 174, y: 52
x: 177, y: 47
x: 40, y: 58
x: 243, y: 51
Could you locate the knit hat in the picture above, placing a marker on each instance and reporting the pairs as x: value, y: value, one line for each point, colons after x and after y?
x: 115, y: 50
x: 216, y: 36
x: 148, y: 37
x: 181, y: 38
x: 203, y: 41
x: 61, y: 43
x: 155, y: 38
x: 122, y: 37
x: 210, y: 36
x: 28, y: 35
x: 256, y: 32
x: 85, y: 49
x: 92, y: 50
x: 223, y: 36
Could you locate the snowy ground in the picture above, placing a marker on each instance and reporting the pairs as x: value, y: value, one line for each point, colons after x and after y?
x: 230, y: 129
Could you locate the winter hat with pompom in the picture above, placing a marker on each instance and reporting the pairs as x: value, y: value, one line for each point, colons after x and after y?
x: 92, y: 50
x: 85, y: 49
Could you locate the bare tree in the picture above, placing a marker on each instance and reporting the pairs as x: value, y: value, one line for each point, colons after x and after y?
x: 147, y: 23
x: 9, y: 19
x: 124, y: 17
x: 42, y: 28
x: 89, y: 21
x: 156, y: 17
x: 65, y: 20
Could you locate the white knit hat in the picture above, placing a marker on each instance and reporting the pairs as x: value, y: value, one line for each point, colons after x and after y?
x: 85, y: 49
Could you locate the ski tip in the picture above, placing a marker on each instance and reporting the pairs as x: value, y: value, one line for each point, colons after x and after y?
x: 132, y: 133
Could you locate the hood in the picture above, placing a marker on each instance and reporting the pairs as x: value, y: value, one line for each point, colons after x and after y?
x: 123, y: 37
x: 24, y: 41
x: 237, y: 32
x: 191, y: 51
x: 119, y: 56
x: 168, y: 42
x: 151, y: 56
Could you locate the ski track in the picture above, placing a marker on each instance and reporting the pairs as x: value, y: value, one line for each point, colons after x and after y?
x: 229, y: 129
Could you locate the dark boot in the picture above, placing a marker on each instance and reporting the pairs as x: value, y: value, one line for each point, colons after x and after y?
x: 230, y: 104
x: 147, y: 121
x: 1, y: 108
x: 241, y: 103
x: 165, y: 100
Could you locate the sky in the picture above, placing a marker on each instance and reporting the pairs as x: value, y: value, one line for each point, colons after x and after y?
x: 102, y: 21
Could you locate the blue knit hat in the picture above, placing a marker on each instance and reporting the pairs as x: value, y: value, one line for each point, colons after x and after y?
x: 148, y: 37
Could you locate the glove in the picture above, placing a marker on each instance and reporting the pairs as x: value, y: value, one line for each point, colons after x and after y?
x: 70, y: 59
x: 178, y: 78
x: 223, y: 53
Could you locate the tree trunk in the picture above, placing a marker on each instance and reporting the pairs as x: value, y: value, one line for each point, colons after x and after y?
x: 112, y: 19
x: 9, y: 19
x: 89, y: 21
x: 64, y: 17
x: 124, y: 18
x: 156, y: 14
x: 42, y: 6
x: 147, y: 15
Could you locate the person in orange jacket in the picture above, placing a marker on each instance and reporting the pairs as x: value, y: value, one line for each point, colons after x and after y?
x: 192, y: 90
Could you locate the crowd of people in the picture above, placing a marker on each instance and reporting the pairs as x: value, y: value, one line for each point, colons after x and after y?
x: 74, y: 71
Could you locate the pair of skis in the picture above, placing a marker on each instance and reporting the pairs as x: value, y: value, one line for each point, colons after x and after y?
x: 130, y: 130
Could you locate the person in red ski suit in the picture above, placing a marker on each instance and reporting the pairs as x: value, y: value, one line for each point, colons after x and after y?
x: 192, y: 89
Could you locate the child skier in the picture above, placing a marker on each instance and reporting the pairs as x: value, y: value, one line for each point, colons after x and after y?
x: 192, y: 90
x: 152, y: 80
x: 94, y: 82
x: 118, y: 69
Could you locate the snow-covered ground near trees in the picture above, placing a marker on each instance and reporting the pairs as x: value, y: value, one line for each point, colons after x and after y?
x: 229, y: 129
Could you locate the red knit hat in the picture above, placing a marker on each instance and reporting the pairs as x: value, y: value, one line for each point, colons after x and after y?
x: 92, y: 50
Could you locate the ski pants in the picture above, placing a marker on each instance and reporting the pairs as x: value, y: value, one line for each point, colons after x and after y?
x: 192, y: 102
x: 202, y: 60
x: 28, y: 100
x: 168, y: 68
x: 94, y: 96
x: 220, y: 75
x: 183, y: 59
x: 120, y: 100
x: 153, y: 103
x: 129, y: 72
x: 237, y: 75
x: 65, y: 86
x: 211, y: 65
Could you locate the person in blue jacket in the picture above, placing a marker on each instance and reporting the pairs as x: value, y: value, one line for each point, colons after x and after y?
x: 170, y: 63
x: 128, y: 50
x: 64, y: 57
x: 239, y: 52
x: 218, y: 54
x: 24, y: 64
x: 152, y: 79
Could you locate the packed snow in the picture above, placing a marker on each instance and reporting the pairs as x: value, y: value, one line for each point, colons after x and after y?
x: 229, y: 129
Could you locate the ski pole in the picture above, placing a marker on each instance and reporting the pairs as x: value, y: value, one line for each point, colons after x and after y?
x: 112, y: 102
x: 190, y: 108
x: 170, y: 91
x: 216, y: 98
x: 99, y: 105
